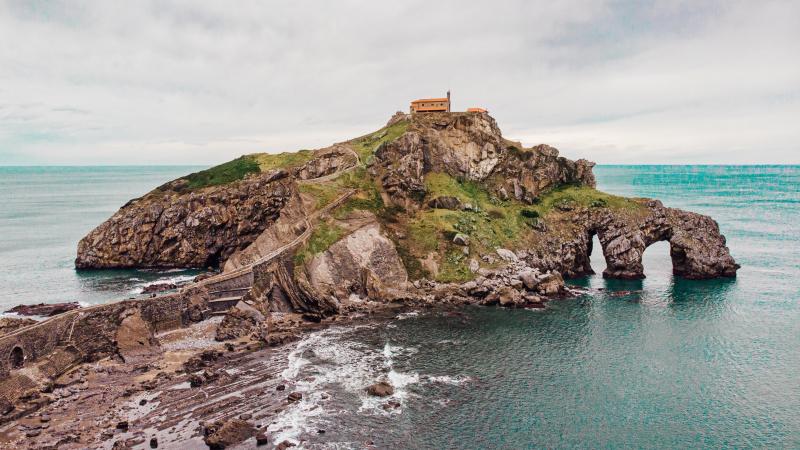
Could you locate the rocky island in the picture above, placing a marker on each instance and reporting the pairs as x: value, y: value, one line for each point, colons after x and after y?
x: 435, y: 209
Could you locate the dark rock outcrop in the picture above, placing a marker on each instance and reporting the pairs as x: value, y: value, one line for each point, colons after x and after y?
x: 380, y: 389
x: 195, y: 229
x: 471, y: 147
x: 44, y: 309
x: 697, y: 247
x: 220, y: 435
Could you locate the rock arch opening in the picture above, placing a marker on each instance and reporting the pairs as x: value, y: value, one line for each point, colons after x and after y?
x: 656, y: 258
x: 17, y: 358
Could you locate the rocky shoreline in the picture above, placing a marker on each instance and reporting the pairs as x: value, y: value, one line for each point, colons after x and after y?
x: 229, y: 391
x: 433, y: 211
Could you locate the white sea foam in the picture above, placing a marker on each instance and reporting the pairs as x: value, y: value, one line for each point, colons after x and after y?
x: 407, y: 315
x: 177, y: 279
x: 329, y: 359
x: 447, y: 379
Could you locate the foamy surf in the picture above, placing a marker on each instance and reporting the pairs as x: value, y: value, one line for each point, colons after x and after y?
x: 330, y: 362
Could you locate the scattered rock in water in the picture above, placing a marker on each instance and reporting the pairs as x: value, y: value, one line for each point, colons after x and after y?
x: 390, y: 405
x: 44, y: 309
x: 158, y: 287
x: 220, y: 435
x: 294, y: 397
x: 280, y: 387
x: 123, y: 425
x: 262, y: 439
x: 153, y: 443
x: 284, y: 445
x: 380, y: 389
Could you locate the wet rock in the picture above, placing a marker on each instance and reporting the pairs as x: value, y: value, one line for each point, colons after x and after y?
x: 262, y: 439
x: 380, y: 389
x: 220, y: 435
x: 196, y: 380
x: 294, y: 397
x: 123, y: 425
x: 153, y: 443
x: 241, y: 320
x: 158, y: 287
x: 280, y: 387
x: 44, y: 309
x: 284, y: 445
x: 551, y: 284
x: 390, y: 405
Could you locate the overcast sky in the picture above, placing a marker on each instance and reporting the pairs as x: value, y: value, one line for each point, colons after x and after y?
x: 201, y: 82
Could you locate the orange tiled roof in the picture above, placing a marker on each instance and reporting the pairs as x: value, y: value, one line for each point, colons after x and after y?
x: 444, y: 99
x: 430, y: 108
x: 480, y: 110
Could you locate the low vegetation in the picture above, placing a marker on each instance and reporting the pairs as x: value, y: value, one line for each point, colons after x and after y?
x: 365, y: 146
x: 224, y: 173
x: 325, y: 234
x: 324, y: 194
x: 285, y: 160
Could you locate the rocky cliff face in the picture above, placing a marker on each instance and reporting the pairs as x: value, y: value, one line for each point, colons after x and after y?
x: 362, y: 262
x: 509, y: 202
x: 200, y: 228
x: 697, y: 247
x: 470, y: 146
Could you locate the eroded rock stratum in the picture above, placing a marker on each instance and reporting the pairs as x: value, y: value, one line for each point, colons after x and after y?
x: 425, y: 178
x: 431, y: 209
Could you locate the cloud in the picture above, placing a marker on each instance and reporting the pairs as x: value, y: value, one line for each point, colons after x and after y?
x: 174, y: 82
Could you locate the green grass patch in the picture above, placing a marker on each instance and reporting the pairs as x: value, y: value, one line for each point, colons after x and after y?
x: 454, y: 267
x: 224, y: 173
x: 323, y: 193
x: 412, y: 264
x: 285, y: 160
x: 584, y: 197
x: 322, y: 237
x: 439, y: 184
x: 366, y: 146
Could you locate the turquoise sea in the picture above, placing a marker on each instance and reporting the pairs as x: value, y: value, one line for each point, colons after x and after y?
x: 674, y: 364
x: 45, y: 211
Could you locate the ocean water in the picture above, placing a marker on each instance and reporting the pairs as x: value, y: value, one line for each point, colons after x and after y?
x: 45, y: 211
x: 675, y: 364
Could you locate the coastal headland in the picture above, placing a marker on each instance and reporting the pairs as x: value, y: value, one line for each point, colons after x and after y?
x: 433, y: 210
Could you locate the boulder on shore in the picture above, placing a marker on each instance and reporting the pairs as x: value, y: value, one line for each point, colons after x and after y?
x: 220, y: 435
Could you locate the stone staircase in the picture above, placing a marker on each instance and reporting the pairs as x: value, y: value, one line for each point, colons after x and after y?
x: 222, y: 300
